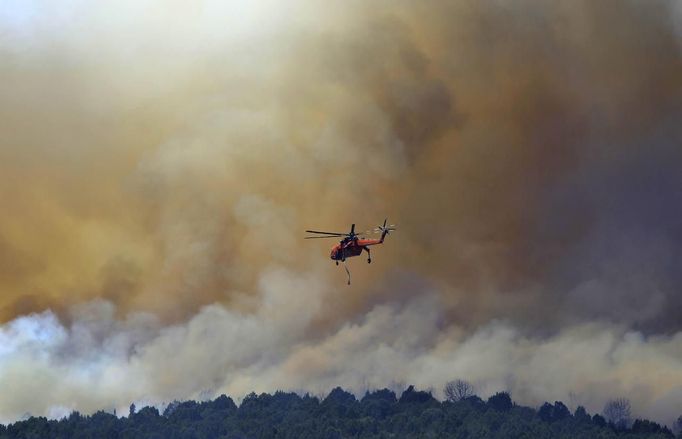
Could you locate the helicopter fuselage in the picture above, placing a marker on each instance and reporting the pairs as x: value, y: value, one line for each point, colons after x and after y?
x: 349, y: 248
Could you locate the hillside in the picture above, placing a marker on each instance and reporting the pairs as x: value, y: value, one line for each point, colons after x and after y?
x: 379, y: 414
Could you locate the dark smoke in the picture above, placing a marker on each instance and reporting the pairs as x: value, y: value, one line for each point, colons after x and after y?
x: 156, y: 175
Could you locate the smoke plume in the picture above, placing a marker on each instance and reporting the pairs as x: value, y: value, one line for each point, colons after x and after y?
x: 159, y: 164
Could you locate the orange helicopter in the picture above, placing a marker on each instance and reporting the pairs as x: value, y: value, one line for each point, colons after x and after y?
x: 353, y: 244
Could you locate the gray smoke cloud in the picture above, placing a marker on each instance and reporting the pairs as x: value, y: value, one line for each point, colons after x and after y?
x: 159, y: 164
x: 99, y: 361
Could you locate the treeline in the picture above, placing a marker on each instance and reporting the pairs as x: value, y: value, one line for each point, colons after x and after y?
x: 379, y: 414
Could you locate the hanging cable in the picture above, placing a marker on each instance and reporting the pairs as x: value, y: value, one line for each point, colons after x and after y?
x: 347, y: 271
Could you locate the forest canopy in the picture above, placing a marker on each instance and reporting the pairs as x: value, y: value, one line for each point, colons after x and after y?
x: 378, y: 414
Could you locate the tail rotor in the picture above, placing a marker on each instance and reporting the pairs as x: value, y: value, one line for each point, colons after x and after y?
x: 385, y: 229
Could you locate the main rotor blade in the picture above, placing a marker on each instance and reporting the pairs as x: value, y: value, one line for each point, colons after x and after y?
x: 327, y: 233
x: 319, y: 237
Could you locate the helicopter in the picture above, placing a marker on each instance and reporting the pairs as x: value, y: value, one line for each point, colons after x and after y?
x: 352, y: 244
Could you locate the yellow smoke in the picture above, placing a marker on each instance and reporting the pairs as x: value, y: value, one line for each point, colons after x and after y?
x: 167, y: 158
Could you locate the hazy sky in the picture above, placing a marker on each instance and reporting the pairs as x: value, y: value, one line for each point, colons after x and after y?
x: 159, y: 162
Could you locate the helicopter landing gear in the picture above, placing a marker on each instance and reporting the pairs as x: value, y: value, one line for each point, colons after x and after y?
x: 369, y: 255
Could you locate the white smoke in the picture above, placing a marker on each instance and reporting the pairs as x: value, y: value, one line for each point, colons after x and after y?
x: 99, y: 361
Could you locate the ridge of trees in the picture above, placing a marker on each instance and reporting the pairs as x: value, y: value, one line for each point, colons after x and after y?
x: 378, y: 414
